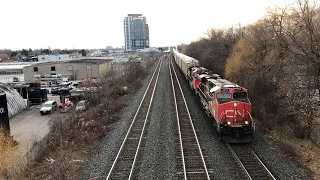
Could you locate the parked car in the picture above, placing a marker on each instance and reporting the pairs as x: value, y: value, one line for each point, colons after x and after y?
x: 54, y: 90
x: 31, y: 58
x: 66, y: 106
x: 48, y: 107
x: 82, y: 105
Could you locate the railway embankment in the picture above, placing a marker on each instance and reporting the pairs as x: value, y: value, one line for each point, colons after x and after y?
x: 161, y: 158
x: 222, y: 161
x: 279, y: 67
x: 66, y: 149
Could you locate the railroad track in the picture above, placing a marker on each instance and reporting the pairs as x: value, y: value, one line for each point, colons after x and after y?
x: 191, y: 161
x: 126, y: 164
x: 250, y: 162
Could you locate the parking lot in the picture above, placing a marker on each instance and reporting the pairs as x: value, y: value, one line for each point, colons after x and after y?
x: 30, y: 125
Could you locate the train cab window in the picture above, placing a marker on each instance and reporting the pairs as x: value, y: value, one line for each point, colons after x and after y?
x: 224, y: 97
x: 240, y: 96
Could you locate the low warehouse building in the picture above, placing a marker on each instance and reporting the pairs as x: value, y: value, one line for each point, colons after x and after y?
x: 74, y: 69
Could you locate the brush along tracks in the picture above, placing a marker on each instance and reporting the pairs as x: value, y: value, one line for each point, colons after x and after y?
x: 250, y: 163
x: 191, y: 161
x: 126, y: 163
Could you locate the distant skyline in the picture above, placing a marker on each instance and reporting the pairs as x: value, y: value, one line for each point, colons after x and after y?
x: 98, y: 23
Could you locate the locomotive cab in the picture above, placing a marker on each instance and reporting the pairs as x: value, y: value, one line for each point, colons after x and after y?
x: 233, y: 114
x: 226, y: 103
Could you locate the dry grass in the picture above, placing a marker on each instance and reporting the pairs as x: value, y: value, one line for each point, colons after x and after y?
x: 302, y: 150
x: 73, y: 140
x: 7, y: 154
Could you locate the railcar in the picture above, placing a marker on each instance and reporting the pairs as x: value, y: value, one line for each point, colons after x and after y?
x: 226, y: 103
x: 184, y: 62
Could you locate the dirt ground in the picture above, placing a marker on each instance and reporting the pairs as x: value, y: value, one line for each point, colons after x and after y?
x: 67, y: 148
x: 303, y: 150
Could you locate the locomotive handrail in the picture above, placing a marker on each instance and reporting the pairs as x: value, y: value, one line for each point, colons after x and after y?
x: 249, y: 115
x: 221, y: 116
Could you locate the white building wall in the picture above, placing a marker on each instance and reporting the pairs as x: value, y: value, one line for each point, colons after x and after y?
x: 59, y: 57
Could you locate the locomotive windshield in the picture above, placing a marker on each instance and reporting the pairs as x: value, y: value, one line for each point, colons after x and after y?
x: 224, y: 97
x: 240, y: 96
x: 227, y: 97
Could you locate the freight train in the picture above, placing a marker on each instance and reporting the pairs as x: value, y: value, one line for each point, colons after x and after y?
x: 226, y: 103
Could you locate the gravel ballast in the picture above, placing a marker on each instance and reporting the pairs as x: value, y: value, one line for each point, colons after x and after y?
x: 159, y: 154
x: 282, y: 167
x: 223, y: 164
x: 219, y: 160
x: 97, y: 166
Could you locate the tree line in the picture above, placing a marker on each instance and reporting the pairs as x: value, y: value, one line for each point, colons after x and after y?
x: 277, y: 59
x: 35, y: 52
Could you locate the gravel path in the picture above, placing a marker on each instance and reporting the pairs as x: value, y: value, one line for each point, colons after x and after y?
x: 159, y: 155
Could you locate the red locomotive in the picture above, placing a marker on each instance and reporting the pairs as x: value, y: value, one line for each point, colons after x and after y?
x: 227, y: 103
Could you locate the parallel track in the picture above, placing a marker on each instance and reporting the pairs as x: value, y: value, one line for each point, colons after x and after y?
x: 126, y: 163
x: 250, y: 162
x: 191, y: 162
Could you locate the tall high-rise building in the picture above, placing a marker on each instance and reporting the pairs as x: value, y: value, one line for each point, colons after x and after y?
x: 136, y: 32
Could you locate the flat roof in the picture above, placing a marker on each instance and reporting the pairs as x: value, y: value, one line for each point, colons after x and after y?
x: 91, y: 60
x: 12, y: 67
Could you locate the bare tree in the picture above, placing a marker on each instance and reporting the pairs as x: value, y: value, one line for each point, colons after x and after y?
x: 280, y: 57
x: 213, y: 50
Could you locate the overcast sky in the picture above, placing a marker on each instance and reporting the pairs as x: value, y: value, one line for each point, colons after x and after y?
x: 99, y: 23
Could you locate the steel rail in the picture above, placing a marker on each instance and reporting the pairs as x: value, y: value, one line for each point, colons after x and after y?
x: 133, y: 121
x: 264, y: 171
x: 145, y: 122
x: 192, y: 125
x: 270, y: 174
x: 176, y: 108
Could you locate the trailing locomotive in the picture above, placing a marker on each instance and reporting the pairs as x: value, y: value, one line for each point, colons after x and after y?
x: 223, y: 101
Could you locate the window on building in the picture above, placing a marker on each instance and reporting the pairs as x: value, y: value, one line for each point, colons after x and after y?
x: 69, y: 68
x: 53, y: 68
x: 88, y: 67
x: 35, y: 69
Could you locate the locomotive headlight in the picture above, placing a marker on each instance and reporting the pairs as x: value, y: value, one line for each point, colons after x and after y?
x: 228, y: 122
x: 234, y: 105
x: 246, y: 122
